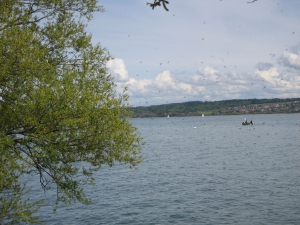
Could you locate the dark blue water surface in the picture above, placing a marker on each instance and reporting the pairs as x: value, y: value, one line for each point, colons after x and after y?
x: 198, y: 170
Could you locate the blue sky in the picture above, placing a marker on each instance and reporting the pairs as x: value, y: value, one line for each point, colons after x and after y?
x: 201, y: 50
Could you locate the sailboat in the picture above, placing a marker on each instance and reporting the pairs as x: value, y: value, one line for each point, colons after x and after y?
x: 202, y: 115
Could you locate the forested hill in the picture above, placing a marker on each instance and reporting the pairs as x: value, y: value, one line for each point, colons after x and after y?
x: 224, y: 107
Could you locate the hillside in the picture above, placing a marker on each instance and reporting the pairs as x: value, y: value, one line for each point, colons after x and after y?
x: 224, y: 107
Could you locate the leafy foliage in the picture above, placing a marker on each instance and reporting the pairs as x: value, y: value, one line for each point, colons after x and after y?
x: 58, y: 104
x: 157, y: 3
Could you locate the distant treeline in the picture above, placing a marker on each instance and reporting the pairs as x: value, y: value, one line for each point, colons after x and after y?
x: 224, y: 107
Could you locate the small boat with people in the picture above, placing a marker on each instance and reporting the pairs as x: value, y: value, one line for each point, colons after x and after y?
x: 247, y: 123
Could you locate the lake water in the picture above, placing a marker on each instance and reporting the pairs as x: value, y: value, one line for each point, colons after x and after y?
x: 199, y: 170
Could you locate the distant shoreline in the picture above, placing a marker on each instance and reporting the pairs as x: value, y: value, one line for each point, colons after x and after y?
x: 218, y: 108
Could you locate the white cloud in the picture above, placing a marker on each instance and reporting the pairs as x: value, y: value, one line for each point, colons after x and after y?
x: 208, y: 84
x: 291, y: 59
x: 271, y: 75
x: 118, y: 69
x: 165, y: 81
x: 140, y: 86
x: 206, y: 73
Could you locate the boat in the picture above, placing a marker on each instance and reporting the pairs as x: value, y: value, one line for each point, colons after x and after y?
x: 202, y: 115
x: 168, y: 116
x: 246, y: 123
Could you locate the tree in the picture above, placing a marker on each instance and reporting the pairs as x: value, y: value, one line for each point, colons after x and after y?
x: 61, y: 117
x: 165, y: 2
x: 157, y: 3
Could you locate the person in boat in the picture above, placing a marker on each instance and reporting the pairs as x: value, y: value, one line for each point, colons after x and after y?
x: 251, y: 122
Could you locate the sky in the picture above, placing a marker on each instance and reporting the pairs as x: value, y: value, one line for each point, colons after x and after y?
x: 201, y: 50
